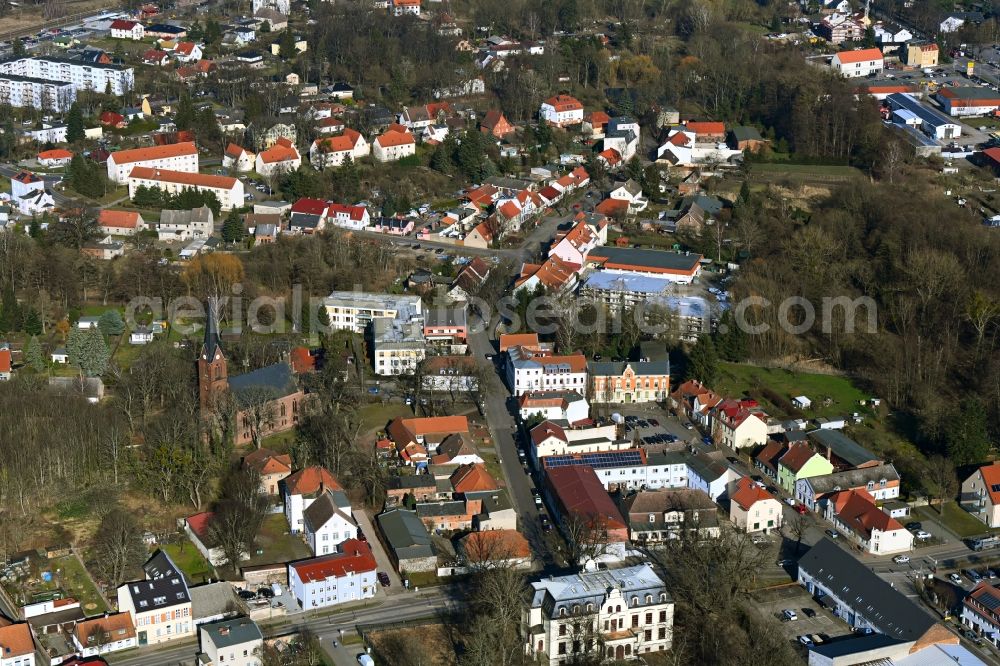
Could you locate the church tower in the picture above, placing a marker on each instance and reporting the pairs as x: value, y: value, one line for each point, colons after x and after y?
x: 213, y: 374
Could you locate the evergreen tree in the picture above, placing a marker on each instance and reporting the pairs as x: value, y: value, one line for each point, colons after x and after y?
x: 18, y: 48
x: 744, y: 192
x: 35, y: 228
x: 968, y: 439
x: 32, y: 322
x: 702, y: 361
x: 206, y: 127
x: 213, y: 32
x: 88, y: 351
x: 633, y: 169
x: 265, y: 27
x: 75, y: 130
x: 286, y: 44
x: 33, y: 355
x: 111, y: 323
x: 731, y: 340
x: 233, y: 230
x: 185, y: 116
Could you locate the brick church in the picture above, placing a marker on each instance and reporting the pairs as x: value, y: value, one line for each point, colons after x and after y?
x: 278, y: 380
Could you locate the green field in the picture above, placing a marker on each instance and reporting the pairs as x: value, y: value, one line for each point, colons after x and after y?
x: 957, y: 519
x: 187, y: 558
x: 843, y: 397
x: 276, y: 544
x: 376, y: 416
x: 820, y: 172
x: 77, y: 583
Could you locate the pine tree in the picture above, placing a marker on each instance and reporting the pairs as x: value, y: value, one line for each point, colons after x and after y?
x: 75, y: 130
x: 33, y: 355
x: 185, y: 116
x: 233, y: 230
x: 111, y: 323
x: 286, y: 44
x: 88, y: 351
x: 32, y: 322
x: 702, y: 361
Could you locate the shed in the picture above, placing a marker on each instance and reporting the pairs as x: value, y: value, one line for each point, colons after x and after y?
x: 802, y: 402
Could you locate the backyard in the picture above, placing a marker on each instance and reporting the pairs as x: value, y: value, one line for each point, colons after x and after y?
x: 192, y: 563
x: 58, y: 578
x: 831, y: 395
x: 957, y: 519
x: 274, y: 543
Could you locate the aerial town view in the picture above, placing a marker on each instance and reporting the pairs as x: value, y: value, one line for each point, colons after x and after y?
x: 499, y: 332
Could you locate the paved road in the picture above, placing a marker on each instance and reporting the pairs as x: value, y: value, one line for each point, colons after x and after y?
x: 50, y: 181
x: 413, y: 606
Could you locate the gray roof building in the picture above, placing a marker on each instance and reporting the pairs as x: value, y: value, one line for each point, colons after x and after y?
x: 843, y: 447
x: 853, y: 478
x: 230, y: 633
x: 407, y: 536
x: 558, y: 592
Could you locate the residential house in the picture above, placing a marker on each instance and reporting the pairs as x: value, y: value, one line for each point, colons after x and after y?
x: 752, y: 508
x: 527, y: 371
x: 234, y: 642
x: 420, y: 117
x: 345, y: 576
x: 354, y: 311
x: 185, y: 225
x: 449, y: 515
x: 745, y: 138
x: 860, y: 62
x: 472, y: 478
x: 348, y: 217
x: 408, y: 540
x: 307, y: 216
x: 667, y: 513
x: 695, y: 400
x: 29, y: 194
x: 980, y: 494
x: 265, y: 137
x: 140, y: 335
x: 880, y: 481
x: 404, y: 7
x: 280, y: 158
x: 561, y: 111
x: 393, y: 145
x: 798, y: 462
x: 631, y: 192
x: 622, y: 134
x: 397, y: 346
x: 229, y: 191
x: 496, y: 124
x: 328, y: 521
x: 458, y: 449
x: 739, y: 423
x: 101, y: 635
x: 188, y: 52
x: 710, y: 474
x: 156, y: 58
x: 594, y: 124
x: 980, y: 611
x: 160, y: 604
x: 124, y: 29
x: 855, y: 512
x: 303, y: 488
x: 18, y: 646
x: 629, y: 381
x: 922, y: 56
x: 417, y: 435
x: 237, y: 158
x: 841, y: 27
x: 956, y: 20
x: 549, y: 438
x: 272, y: 467
x: 629, y: 608
x: 451, y: 373
x: 567, y: 406
x: 120, y: 222
x: 492, y: 548
x: 56, y: 157
x: 199, y: 530
x: 421, y: 487
x: 859, y: 596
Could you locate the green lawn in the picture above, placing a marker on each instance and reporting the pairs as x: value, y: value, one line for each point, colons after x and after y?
x: 75, y: 581
x: 492, y: 465
x: 274, y: 544
x: 805, y: 171
x: 187, y: 558
x: 960, y: 521
x: 376, y: 416
x: 661, y: 241
x: 737, y: 379
x: 423, y: 579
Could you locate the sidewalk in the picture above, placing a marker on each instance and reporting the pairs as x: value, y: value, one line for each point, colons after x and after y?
x: 381, y: 557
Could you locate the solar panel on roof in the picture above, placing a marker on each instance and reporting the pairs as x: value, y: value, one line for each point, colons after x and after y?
x: 990, y: 602
x: 599, y: 460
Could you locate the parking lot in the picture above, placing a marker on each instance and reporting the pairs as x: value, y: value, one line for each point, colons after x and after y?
x: 772, y: 603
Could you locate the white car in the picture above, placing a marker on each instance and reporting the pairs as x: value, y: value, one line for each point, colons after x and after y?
x: 789, y: 614
x: 955, y: 578
x: 901, y: 559
x: 790, y: 501
x: 922, y: 535
x: 805, y: 640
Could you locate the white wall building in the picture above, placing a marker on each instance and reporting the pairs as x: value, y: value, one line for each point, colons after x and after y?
x: 228, y: 190
x: 348, y: 575
x: 176, y: 157
x: 860, y: 62
x: 393, y: 146
x: 235, y: 642
x: 328, y: 522
x: 353, y: 311
x: 52, y: 83
x: 348, y: 217
x: 561, y: 111
x: 527, y: 371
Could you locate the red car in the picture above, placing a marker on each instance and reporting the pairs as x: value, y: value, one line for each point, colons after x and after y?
x: 801, y: 508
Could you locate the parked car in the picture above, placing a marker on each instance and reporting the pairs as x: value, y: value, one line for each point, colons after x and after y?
x: 689, y: 425
x: 809, y: 612
x: 833, y: 534
x: 706, y: 440
x: 654, y: 422
x: 801, y: 508
x: 901, y: 559
x: 789, y: 614
x: 805, y: 640
x: 913, y: 526
x: 973, y: 576
x: 265, y: 593
x: 384, y: 579
x: 955, y: 578
x: 790, y: 501
x: 247, y: 595
x: 922, y: 535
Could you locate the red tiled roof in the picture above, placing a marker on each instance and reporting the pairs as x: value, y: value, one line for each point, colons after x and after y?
x: 710, y: 128
x: 55, y: 154
x: 185, y: 48
x: 310, y: 206
x: 155, y: 152
x: 495, y: 545
x: 611, y: 156
x: 5, y: 360
x: 200, y: 522
x: 437, y: 425
x: 471, y: 478
x: 612, y: 207
x: 184, y: 178
x: 991, y: 474
x: 235, y: 151
x: 748, y: 493
x: 394, y: 138
x: 582, y: 494
x: 354, y: 557
x: 117, y: 627
x: 564, y: 103
x: 510, y: 340
x: 597, y: 118
x: 302, y: 360
x: 546, y: 429
x: 26, y: 177
x: 16, y: 640
x: 798, y: 454
x: 857, y: 510
x: 281, y: 151
x: 309, y: 480
x: 122, y: 219
x: 122, y: 24
x: 859, y: 55
x: 267, y: 461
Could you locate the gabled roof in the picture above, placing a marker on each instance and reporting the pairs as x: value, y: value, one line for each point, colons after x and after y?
x: 769, y: 455
x: 267, y: 461
x: 115, y: 627
x: 282, y: 151
x: 857, y: 510
x: 122, y: 24
x: 471, y: 478
x: 311, y: 480
x: 184, y: 178
x: 798, y: 454
x: 354, y: 557
x: 991, y: 479
x: 26, y: 178
x: 704, y: 127
x: 55, y: 154
x: 564, y: 103
x: 494, y: 545
x: 5, y: 359
x: 154, y: 153
x: 547, y: 429
x: 310, y: 206
x: 325, y: 507
x: 858, y: 55
x: 235, y: 151
x: 15, y: 640
x: 748, y: 493
x: 394, y: 138
x: 123, y: 219
x: 581, y: 493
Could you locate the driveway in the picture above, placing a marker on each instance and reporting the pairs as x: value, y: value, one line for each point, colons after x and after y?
x: 381, y: 557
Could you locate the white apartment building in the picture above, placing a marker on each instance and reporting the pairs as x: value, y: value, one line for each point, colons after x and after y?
x: 398, y: 346
x: 348, y: 217
x: 549, y: 438
x: 629, y: 609
x: 228, y: 190
x: 52, y: 83
x: 861, y: 62
x: 529, y: 371
x: 348, y: 575
x: 393, y: 145
x: 160, y: 605
x: 561, y: 111
x: 176, y: 157
x: 354, y: 310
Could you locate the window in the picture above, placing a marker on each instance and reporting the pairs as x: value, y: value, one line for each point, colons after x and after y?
x: 649, y: 598
x: 635, y: 601
x: 663, y: 616
x: 562, y: 629
x: 652, y: 517
x: 562, y: 648
x: 661, y: 634
x: 590, y: 608
x: 649, y: 618
x: 648, y: 635
x: 576, y: 608
x: 635, y: 620
x: 562, y: 612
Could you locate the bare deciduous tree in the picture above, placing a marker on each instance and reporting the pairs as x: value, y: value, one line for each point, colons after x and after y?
x: 118, y: 547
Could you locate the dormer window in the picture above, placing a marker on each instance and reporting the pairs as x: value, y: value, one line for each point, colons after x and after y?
x: 882, y: 483
x: 649, y: 598
x: 652, y: 517
x: 871, y: 485
x: 635, y: 601
x: 562, y: 612
x: 663, y: 597
x: 576, y: 608
x: 590, y: 608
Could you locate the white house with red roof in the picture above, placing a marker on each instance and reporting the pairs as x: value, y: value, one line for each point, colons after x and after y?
x: 739, y: 424
x: 696, y: 143
x: 329, y: 522
x: 333, y: 151
x: 589, y: 232
x: 344, y: 576
x: 859, y: 62
x: 281, y: 158
x: 878, y: 533
x: 393, y: 145
x: 561, y: 111
x: 515, y: 210
x: 199, y: 529
x: 405, y: 7
x: 29, y: 194
x: 752, y: 508
x: 181, y: 157
x: 566, y: 406
x: 981, y: 494
x: 120, y: 222
x: 123, y: 29
x: 6, y: 364
x: 187, y: 52
x: 530, y: 371
x: 237, y: 158
x: 56, y: 157
x: 348, y: 217
x: 301, y: 489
